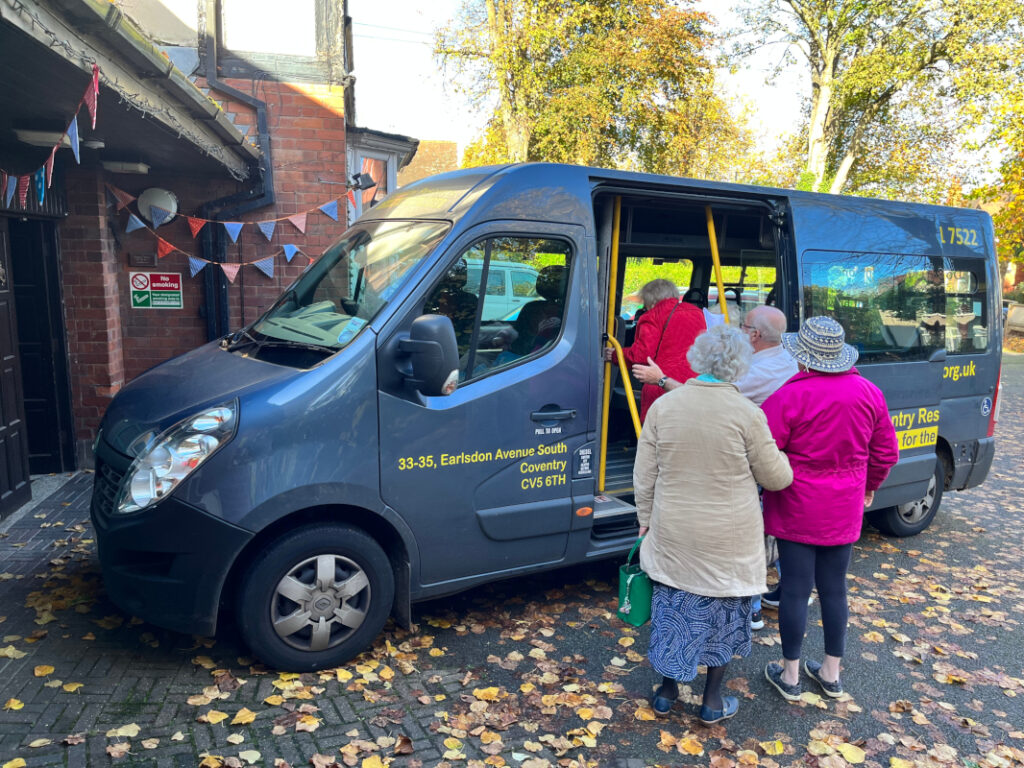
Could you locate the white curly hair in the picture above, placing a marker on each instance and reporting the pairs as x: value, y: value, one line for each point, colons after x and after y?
x: 722, y: 351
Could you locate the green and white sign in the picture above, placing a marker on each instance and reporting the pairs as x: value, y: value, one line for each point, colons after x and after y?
x: 155, y: 290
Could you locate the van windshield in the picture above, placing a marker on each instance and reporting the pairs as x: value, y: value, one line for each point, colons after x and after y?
x: 352, y: 281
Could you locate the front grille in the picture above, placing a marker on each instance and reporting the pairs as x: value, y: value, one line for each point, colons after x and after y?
x: 105, y: 488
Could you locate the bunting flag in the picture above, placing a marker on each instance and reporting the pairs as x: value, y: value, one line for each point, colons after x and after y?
x: 195, y: 224
x: 233, y: 228
x: 163, y: 248
x: 73, y: 136
x: 134, y: 223
x: 91, y: 93
x: 299, y: 220
x: 331, y: 209
x: 231, y: 270
x: 351, y: 198
x: 266, y: 266
x: 267, y: 228
x: 195, y: 266
x: 40, y: 176
x: 23, y: 182
x: 158, y: 215
x: 49, y: 167
x: 123, y: 198
x: 12, y: 184
x: 289, y: 252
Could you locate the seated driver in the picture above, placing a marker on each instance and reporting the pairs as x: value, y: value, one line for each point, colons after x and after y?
x: 451, y: 299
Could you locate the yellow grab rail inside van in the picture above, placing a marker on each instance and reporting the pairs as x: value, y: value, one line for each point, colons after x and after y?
x: 624, y: 372
x: 717, y: 262
x: 613, y: 276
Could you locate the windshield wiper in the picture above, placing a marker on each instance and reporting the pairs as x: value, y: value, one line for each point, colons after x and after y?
x: 287, y: 344
x: 241, y: 338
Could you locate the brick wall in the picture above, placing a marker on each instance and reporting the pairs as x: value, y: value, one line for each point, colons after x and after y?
x: 110, y: 343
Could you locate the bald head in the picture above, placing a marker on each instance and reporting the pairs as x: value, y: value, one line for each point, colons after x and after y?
x: 770, y: 324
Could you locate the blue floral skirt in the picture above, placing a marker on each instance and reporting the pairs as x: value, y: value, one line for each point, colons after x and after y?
x: 688, y: 629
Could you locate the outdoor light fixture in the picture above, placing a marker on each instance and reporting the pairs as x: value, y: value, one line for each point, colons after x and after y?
x: 362, y: 181
x: 42, y: 138
x: 117, y: 166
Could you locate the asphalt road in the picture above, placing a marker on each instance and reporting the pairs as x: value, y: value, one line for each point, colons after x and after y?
x: 531, y: 672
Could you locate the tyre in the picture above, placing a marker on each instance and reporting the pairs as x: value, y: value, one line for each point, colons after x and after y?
x: 911, y: 518
x: 315, y: 598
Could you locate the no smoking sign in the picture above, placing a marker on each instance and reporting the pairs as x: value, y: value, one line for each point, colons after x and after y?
x: 155, y: 290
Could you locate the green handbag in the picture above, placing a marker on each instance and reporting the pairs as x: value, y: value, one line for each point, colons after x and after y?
x: 634, y: 591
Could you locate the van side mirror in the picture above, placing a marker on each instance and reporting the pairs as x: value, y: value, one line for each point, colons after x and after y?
x: 434, y: 355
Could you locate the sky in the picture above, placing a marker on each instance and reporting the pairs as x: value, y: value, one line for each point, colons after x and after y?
x: 400, y: 88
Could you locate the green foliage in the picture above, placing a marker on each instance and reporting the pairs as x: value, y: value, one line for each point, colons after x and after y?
x: 891, y: 83
x: 618, y: 83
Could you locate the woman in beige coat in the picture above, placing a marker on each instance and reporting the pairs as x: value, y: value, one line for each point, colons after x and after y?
x: 702, y: 453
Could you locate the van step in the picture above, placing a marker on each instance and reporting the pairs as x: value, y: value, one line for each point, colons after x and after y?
x: 610, y: 506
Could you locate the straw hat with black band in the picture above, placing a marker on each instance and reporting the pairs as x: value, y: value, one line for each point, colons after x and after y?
x: 820, y: 345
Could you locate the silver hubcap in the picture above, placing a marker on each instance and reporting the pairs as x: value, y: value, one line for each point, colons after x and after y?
x: 915, y: 511
x: 320, y: 602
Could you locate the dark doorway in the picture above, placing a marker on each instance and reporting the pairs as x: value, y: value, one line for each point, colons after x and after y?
x: 41, y: 341
x: 15, y: 487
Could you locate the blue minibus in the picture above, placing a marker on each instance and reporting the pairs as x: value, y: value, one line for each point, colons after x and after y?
x: 389, y: 431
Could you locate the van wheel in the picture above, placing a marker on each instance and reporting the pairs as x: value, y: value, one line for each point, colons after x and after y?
x: 315, y: 598
x: 911, y: 518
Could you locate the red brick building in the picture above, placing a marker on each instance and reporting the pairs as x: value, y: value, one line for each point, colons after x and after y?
x: 243, y: 110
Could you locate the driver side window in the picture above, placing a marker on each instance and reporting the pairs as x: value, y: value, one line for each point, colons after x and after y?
x: 521, y: 311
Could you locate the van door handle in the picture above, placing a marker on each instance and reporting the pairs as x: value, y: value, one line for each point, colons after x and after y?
x: 553, y: 415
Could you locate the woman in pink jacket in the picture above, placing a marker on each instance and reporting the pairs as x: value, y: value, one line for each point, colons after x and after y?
x: 834, y: 426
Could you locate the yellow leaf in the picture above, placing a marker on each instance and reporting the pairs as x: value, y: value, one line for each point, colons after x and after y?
x: 899, y: 762
x: 851, y: 753
x: 487, y: 694
x: 274, y: 701
x: 43, y: 670
x: 15, y: 763
x: 13, y: 705
x: 212, y: 716
x: 387, y: 673
x: 72, y: 687
x: 452, y: 743
x: 625, y: 642
x: 747, y: 757
x: 527, y: 687
x: 436, y: 652
x: 644, y: 712
x: 235, y: 738
x: 873, y: 637
x: 690, y: 746
x: 819, y: 748
x: 772, y: 747
x: 343, y: 675
x: 39, y: 743
x: 211, y: 761
x: 585, y: 713
x: 251, y: 756
x: 243, y: 717
x: 129, y: 731
x: 150, y: 743
x: 11, y: 652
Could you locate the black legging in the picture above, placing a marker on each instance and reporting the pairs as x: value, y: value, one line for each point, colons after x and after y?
x: 807, y: 566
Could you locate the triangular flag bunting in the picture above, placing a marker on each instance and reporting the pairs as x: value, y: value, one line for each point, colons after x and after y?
x: 23, y: 182
x: 299, y: 220
x: 331, y: 209
x: 231, y: 270
x: 73, y: 136
x: 195, y: 224
x: 133, y: 223
x: 289, y: 252
x: 195, y: 266
x: 351, y: 198
x: 233, y: 228
x: 49, y: 167
x: 266, y: 266
x: 91, y: 93
x: 40, y: 175
x: 12, y: 184
x: 163, y: 248
x: 123, y: 198
x: 267, y: 228
x: 158, y: 215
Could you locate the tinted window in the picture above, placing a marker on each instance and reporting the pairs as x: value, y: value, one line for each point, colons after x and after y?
x: 893, y: 307
x: 966, y: 308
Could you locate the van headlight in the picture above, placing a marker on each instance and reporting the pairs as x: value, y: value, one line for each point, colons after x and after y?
x: 166, y: 460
